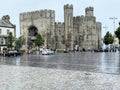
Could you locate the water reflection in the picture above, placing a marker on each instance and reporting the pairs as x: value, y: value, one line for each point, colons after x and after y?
x: 18, y: 61
x: 110, y: 62
x: 88, y: 61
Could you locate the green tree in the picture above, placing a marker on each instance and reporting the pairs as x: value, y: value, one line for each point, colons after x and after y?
x: 11, y: 39
x: 117, y: 32
x: 111, y: 39
x: 108, y: 39
x: 39, y: 41
x: 19, y: 43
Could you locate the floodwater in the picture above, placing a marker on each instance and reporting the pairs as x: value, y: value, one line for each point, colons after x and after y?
x: 102, y: 62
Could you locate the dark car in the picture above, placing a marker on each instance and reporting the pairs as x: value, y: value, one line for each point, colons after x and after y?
x: 13, y: 53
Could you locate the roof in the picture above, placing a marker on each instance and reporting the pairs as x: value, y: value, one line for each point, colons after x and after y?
x: 4, y: 22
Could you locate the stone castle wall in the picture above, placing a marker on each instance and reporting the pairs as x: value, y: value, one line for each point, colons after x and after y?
x: 83, y: 30
x: 60, y: 35
x: 43, y: 20
x: 87, y: 30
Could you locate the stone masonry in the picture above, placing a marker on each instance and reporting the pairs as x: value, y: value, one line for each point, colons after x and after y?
x: 83, y: 31
x: 37, y: 22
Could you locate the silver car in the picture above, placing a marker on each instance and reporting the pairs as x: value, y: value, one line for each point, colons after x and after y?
x: 47, y: 52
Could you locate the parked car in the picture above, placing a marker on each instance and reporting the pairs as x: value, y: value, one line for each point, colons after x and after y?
x: 47, y: 52
x: 12, y: 53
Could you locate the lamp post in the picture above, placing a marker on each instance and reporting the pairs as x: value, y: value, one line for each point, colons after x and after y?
x: 113, y: 18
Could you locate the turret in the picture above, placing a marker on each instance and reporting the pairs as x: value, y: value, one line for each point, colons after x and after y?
x: 68, y: 6
x: 89, y: 11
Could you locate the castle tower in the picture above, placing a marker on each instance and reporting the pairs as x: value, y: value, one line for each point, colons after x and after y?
x: 68, y: 20
x: 89, y: 11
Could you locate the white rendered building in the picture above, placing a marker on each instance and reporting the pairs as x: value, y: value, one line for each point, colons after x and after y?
x: 5, y: 28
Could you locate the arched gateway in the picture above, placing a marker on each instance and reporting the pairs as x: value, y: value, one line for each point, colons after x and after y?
x: 32, y: 33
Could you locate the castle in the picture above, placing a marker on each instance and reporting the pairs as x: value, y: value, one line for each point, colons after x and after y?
x: 82, y: 31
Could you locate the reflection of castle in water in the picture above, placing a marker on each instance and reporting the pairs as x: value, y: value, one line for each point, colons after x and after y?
x: 80, y: 30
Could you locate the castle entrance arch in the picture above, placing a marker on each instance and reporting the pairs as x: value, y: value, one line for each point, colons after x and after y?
x: 32, y: 33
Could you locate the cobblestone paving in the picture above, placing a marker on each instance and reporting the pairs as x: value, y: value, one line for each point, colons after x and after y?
x: 36, y: 78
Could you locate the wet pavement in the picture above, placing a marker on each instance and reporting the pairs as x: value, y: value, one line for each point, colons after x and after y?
x: 83, y: 61
x: 37, y: 78
x: 64, y: 71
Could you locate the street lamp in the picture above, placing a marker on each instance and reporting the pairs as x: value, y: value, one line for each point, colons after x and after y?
x: 113, y: 18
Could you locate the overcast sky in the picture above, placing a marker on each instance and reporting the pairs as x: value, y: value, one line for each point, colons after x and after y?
x: 103, y: 10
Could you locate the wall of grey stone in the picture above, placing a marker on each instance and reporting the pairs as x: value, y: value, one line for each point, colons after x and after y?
x: 89, y: 33
x: 83, y: 30
x: 43, y: 20
x: 60, y: 35
x: 99, y: 29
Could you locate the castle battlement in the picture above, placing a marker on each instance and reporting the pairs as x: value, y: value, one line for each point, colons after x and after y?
x: 59, y: 23
x: 39, y: 11
x: 38, y: 14
x: 68, y: 6
x: 77, y: 17
x: 89, y: 11
x: 82, y: 16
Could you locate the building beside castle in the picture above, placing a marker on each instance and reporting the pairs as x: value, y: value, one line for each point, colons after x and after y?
x: 82, y: 31
x: 5, y: 28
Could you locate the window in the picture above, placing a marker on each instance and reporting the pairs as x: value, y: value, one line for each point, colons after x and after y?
x: 1, y: 41
x: 8, y: 31
x: 0, y: 31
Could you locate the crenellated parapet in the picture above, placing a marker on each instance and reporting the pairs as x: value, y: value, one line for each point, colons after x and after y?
x: 77, y: 18
x: 89, y: 11
x: 37, y: 14
x: 68, y: 6
x: 59, y: 24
